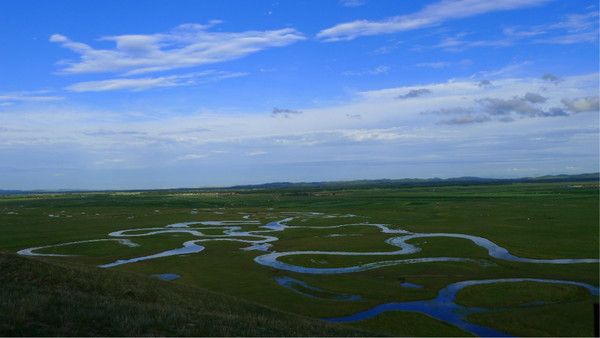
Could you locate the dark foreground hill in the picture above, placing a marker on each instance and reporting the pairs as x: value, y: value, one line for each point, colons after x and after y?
x: 38, y: 297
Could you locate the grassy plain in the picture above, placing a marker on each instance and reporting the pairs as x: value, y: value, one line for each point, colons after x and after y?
x: 42, y: 298
x: 536, y: 220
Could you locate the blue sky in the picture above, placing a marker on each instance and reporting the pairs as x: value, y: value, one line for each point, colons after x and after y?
x: 130, y: 94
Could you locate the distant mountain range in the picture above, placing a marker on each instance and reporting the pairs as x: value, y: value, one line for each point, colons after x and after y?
x: 419, y: 182
x: 377, y: 183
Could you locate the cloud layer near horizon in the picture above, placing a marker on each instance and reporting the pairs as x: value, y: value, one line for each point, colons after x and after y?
x: 420, y: 128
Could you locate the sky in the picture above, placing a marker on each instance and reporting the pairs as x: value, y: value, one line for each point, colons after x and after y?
x: 123, y: 94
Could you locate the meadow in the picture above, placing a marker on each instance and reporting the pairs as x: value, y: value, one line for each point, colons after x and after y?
x: 541, y: 222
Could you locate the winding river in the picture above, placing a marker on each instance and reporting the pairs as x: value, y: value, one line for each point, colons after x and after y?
x: 442, y: 307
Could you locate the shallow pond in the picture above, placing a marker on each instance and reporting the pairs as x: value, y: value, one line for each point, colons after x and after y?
x: 166, y: 276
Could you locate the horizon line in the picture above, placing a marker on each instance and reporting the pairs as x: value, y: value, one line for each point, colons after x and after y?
x: 250, y: 185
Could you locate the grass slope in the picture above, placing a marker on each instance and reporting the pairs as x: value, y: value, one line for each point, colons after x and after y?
x: 39, y: 297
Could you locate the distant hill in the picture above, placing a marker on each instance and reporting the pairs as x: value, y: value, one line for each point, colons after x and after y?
x: 12, y: 192
x: 355, y: 184
x: 419, y: 182
x: 41, y: 298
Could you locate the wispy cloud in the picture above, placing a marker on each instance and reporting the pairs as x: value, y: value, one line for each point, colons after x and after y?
x: 191, y: 157
x: 469, y: 120
x: 369, y: 110
x: 570, y: 39
x: 431, y: 15
x: 572, y: 29
x: 284, y: 112
x: 434, y: 65
x: 145, y: 83
x: 352, y: 3
x: 381, y: 134
x: 104, y: 132
x: 256, y: 153
x: 185, y: 46
x: 458, y: 43
x: 28, y: 96
x: 508, y: 70
x: 375, y: 71
x: 466, y: 119
x: 444, y: 64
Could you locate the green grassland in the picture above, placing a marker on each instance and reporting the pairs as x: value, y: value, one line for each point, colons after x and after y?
x: 45, y: 298
x: 568, y: 319
x: 534, y: 220
x: 523, y: 293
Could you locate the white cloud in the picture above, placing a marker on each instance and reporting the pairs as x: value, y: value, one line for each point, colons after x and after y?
x: 582, y: 104
x: 374, y: 71
x: 444, y: 64
x: 457, y: 43
x: 571, y: 23
x: 256, y: 153
x: 388, y: 134
x: 31, y: 96
x: 140, y: 84
x: 111, y: 161
x: 388, y: 131
x: 431, y: 15
x: 284, y: 112
x: 189, y: 157
x: 391, y: 139
x: 185, y: 46
x: 378, y: 110
x: 434, y: 65
x: 569, y: 39
x: 352, y: 3
x: 508, y: 70
x: 572, y: 29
